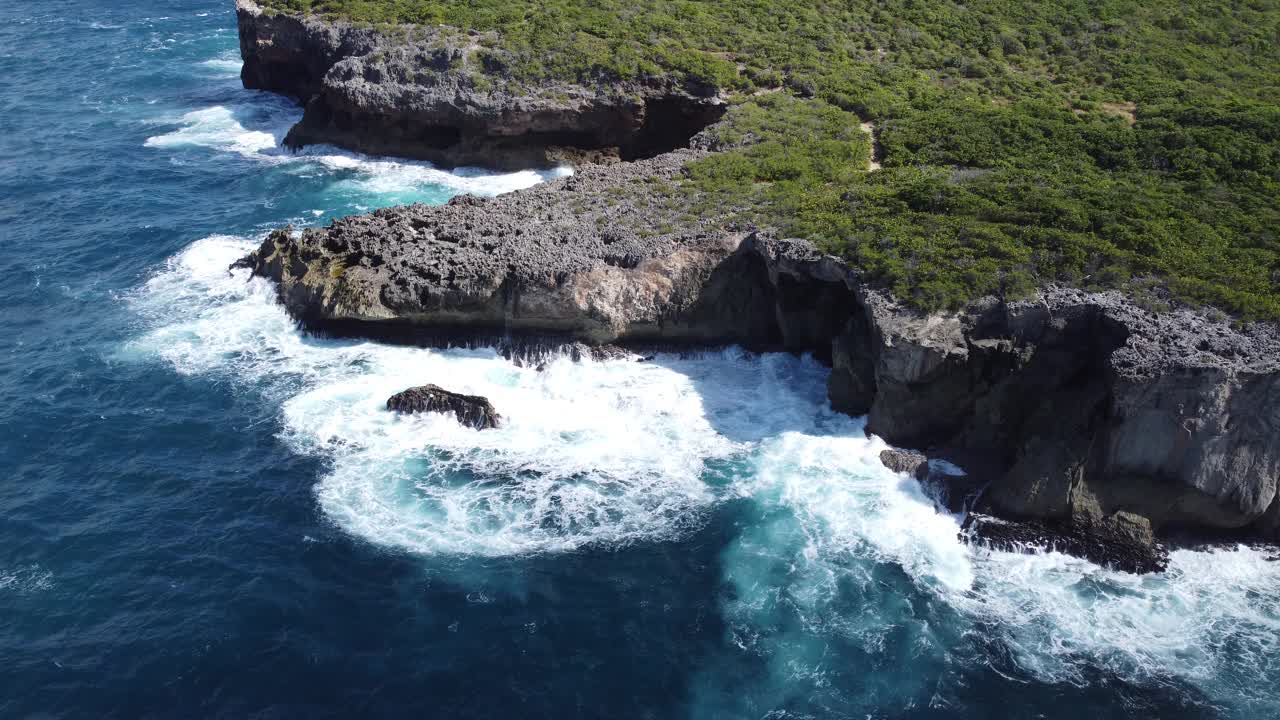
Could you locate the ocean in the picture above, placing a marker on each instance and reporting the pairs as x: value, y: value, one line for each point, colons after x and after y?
x: 206, y: 512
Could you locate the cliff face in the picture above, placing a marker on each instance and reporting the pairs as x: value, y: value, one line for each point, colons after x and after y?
x: 1093, y: 412
x: 289, y: 54
x: 1082, y: 409
x: 446, y: 97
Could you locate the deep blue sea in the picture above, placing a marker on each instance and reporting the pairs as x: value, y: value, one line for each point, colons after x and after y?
x: 206, y: 513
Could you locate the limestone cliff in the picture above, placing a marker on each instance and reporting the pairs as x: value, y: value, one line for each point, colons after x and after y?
x: 450, y: 98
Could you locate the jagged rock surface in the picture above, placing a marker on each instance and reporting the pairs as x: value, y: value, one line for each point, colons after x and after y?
x: 470, y: 410
x: 910, y: 462
x: 1092, y: 406
x: 420, y: 92
x: 566, y: 258
x: 289, y: 54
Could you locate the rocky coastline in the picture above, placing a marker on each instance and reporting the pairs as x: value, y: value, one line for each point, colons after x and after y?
x: 1096, y: 425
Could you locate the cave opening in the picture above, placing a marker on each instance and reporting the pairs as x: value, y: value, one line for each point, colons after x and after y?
x: 669, y: 124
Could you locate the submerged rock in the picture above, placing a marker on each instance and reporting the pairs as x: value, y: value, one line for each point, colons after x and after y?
x: 471, y: 410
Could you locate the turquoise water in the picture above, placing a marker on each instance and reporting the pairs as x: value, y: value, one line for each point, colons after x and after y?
x: 207, y: 512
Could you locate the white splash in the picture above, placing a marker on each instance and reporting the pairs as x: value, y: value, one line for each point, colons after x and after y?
x: 1210, y: 610
x: 227, y: 66
x: 832, y: 514
x: 603, y: 453
x: 256, y: 129
x: 217, y: 127
x: 384, y: 177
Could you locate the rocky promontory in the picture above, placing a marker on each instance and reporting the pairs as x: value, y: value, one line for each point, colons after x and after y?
x: 447, y: 97
x: 1093, y: 418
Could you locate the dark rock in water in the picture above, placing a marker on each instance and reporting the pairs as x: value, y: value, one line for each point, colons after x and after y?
x: 1123, y: 541
x: 906, y: 461
x: 472, y: 410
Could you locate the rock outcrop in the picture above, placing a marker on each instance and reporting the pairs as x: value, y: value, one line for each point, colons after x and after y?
x: 1125, y: 542
x: 568, y: 258
x: 450, y: 97
x: 291, y: 54
x: 910, y: 462
x: 1092, y: 409
x: 470, y: 410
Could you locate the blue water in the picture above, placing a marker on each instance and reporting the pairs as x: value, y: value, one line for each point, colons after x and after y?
x: 206, y: 513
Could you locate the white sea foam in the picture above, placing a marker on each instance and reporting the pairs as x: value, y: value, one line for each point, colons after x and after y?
x: 833, y: 511
x: 1214, y: 613
x: 383, y: 177
x: 217, y: 127
x: 588, y: 453
x: 25, y: 579
x: 598, y: 452
x: 229, y: 66
x: 849, y: 503
x: 622, y: 452
x: 255, y: 131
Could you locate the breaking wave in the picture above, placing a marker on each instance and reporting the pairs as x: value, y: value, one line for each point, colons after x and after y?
x: 255, y: 130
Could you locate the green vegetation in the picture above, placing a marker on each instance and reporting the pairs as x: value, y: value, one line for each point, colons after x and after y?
x: 1094, y: 142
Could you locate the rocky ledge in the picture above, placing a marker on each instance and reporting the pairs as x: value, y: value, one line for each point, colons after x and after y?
x: 1125, y: 541
x: 1085, y: 413
x: 449, y: 97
